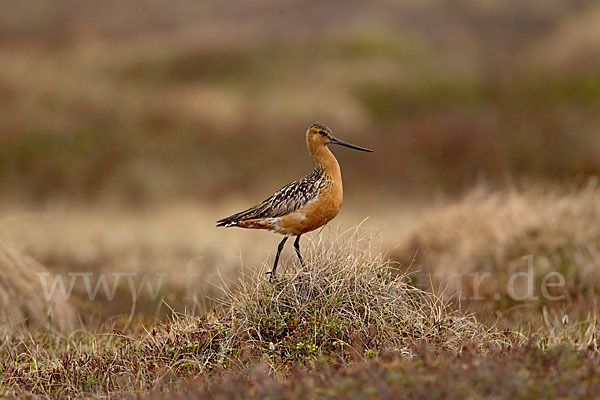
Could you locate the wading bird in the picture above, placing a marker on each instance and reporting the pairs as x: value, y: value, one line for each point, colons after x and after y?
x: 304, y: 205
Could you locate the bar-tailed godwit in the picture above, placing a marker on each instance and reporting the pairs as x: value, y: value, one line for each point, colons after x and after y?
x: 303, y: 205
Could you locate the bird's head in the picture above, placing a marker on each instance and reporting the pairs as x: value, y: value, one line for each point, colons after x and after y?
x: 320, y: 135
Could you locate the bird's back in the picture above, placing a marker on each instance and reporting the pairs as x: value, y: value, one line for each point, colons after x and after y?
x: 290, y: 198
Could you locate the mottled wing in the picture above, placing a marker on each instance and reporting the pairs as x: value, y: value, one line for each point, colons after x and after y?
x: 288, y: 199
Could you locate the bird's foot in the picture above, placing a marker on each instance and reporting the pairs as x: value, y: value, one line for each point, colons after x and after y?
x: 271, y: 274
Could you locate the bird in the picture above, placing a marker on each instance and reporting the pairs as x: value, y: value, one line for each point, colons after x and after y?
x: 305, y: 204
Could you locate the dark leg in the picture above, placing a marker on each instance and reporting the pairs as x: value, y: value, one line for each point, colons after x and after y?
x: 279, y: 248
x: 297, y: 247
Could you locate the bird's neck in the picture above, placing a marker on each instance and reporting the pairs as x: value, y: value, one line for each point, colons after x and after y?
x: 325, y: 159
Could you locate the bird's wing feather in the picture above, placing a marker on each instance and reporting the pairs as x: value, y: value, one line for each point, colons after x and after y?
x: 289, y: 198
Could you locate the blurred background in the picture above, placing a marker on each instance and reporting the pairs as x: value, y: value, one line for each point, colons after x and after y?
x: 152, y: 100
x: 128, y: 127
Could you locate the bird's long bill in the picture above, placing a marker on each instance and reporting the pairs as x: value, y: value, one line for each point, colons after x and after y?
x: 342, y: 143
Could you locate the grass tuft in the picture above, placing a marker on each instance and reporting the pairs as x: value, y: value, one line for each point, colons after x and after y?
x: 349, y: 301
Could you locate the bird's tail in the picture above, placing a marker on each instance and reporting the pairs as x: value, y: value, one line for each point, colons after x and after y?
x: 225, y: 223
x: 232, y: 220
x: 235, y: 219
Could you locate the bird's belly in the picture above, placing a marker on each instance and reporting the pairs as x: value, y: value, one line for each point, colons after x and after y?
x: 313, y: 215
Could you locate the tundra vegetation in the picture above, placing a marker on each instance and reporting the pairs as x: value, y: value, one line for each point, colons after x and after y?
x: 464, y: 263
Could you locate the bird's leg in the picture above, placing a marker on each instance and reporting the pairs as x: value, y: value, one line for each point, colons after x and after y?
x: 297, y: 247
x: 279, y: 248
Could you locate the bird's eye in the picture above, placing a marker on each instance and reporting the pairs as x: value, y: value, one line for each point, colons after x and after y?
x: 322, y: 133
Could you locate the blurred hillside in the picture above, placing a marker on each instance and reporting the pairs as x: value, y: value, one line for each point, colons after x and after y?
x: 145, y: 100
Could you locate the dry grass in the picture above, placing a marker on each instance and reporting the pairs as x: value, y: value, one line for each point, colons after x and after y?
x: 346, y: 304
x: 349, y: 310
x: 347, y: 296
x: 488, y: 235
x: 24, y: 305
x: 164, y: 243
